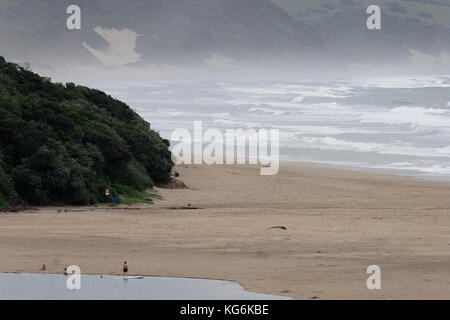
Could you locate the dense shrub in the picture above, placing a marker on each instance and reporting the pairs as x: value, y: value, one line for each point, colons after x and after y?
x: 66, y: 144
x: 8, y: 195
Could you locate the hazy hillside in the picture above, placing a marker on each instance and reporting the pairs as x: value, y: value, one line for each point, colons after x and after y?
x: 428, y: 12
x: 173, y: 32
x: 317, y: 34
x: 408, y: 26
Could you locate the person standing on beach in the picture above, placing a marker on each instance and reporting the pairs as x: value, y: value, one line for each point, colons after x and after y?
x: 65, y: 272
x: 43, y: 268
x: 125, y: 269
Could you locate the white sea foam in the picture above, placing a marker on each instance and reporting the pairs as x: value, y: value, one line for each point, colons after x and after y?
x: 226, y: 121
x: 218, y: 115
x: 427, y: 167
x: 298, y: 99
x: 409, y: 115
x: 320, y: 130
x: 300, y: 90
x: 394, y: 148
x: 267, y: 110
x: 169, y: 112
x: 406, y: 82
x: 318, y: 117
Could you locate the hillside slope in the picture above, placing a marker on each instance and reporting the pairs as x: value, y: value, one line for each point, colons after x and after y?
x: 406, y: 27
x: 316, y: 34
x: 188, y: 32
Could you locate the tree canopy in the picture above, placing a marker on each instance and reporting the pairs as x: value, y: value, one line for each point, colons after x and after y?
x: 64, y: 144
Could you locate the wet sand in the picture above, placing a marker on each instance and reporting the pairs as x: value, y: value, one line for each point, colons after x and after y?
x: 330, y: 225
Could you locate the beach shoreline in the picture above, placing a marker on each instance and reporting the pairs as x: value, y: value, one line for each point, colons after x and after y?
x: 307, y: 232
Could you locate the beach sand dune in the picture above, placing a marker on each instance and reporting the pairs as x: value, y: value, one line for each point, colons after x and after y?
x: 307, y: 233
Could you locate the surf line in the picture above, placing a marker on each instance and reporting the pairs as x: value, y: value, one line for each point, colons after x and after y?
x: 193, y: 310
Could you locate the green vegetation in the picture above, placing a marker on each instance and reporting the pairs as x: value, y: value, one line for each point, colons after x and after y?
x: 129, y: 195
x: 65, y: 144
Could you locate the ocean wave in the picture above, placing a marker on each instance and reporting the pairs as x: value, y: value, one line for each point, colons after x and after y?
x: 274, y: 112
x: 222, y: 114
x: 301, y: 90
x: 409, y: 115
x: 226, y: 121
x: 425, y: 167
x: 298, y: 99
x: 381, y: 125
x: 320, y: 91
x: 393, y: 148
x: 169, y: 112
x: 432, y: 81
x: 320, y: 130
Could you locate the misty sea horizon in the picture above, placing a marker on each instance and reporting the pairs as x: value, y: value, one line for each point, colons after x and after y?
x: 394, y: 124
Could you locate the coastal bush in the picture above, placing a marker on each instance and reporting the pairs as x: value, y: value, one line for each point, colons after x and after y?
x: 65, y: 144
x: 8, y: 196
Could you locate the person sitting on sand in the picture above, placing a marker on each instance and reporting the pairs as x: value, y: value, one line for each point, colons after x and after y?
x: 125, y: 269
x: 43, y: 268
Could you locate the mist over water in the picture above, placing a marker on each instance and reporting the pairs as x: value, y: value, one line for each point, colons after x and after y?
x: 395, y: 123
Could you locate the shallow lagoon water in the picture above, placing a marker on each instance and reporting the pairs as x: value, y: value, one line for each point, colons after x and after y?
x: 15, y: 286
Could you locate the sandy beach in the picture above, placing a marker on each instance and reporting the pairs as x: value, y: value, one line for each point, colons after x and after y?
x: 330, y: 225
